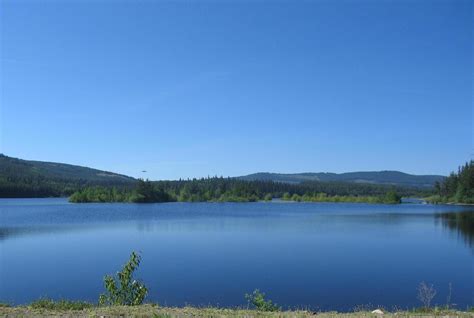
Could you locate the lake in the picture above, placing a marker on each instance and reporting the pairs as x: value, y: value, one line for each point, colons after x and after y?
x: 327, y: 256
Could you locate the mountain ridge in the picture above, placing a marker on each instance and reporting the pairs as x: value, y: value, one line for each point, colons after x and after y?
x: 387, y: 177
x: 31, y: 179
x: 19, y: 177
x: 56, y: 170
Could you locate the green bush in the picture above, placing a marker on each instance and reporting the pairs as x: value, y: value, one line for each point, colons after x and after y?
x: 258, y: 300
x: 124, y: 290
x: 295, y: 197
x: 392, y: 197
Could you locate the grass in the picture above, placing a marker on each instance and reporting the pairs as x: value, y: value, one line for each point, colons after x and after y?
x: 61, y: 305
x: 64, y: 308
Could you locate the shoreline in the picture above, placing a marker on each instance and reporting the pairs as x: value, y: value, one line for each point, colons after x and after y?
x: 152, y: 310
x: 275, y: 200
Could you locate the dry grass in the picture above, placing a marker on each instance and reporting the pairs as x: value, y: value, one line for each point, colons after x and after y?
x: 169, y: 312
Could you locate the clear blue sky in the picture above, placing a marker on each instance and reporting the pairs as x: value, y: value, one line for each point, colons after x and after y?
x: 197, y: 88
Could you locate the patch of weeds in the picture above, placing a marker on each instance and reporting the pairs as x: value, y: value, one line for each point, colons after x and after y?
x: 363, y: 308
x: 422, y: 310
x: 426, y: 293
x: 46, y: 303
x: 159, y: 315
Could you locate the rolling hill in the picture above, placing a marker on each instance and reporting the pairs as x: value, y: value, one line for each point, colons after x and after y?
x: 28, y: 178
x: 374, y: 177
x: 14, y: 167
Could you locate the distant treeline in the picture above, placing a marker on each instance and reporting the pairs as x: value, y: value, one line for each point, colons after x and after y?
x: 391, y: 197
x: 144, y: 192
x: 41, y: 187
x: 457, y: 188
x: 235, y: 190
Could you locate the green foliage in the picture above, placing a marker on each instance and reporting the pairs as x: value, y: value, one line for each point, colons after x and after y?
x: 4, y: 305
x: 295, y: 197
x: 257, y: 299
x: 46, y: 303
x: 391, y: 197
x: 235, y: 190
x: 457, y: 188
x: 124, y: 290
x: 147, y: 192
x: 100, y: 194
x: 144, y: 192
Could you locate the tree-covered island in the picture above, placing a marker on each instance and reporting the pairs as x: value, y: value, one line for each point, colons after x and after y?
x: 235, y: 190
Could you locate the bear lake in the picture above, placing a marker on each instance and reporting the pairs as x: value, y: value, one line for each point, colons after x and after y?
x: 320, y: 256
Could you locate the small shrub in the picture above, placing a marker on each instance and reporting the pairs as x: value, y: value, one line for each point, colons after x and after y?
x: 268, y: 197
x: 4, y: 305
x: 129, y: 292
x: 258, y: 300
x: 426, y: 294
x: 46, y: 303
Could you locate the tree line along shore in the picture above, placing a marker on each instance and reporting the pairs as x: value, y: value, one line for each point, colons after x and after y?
x: 457, y: 188
x: 234, y: 190
x: 33, y: 179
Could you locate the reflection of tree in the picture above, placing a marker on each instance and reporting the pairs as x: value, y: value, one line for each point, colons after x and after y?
x: 12, y: 232
x: 461, y: 222
x: 9, y: 232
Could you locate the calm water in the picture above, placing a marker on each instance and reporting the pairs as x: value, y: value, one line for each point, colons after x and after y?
x: 323, y: 256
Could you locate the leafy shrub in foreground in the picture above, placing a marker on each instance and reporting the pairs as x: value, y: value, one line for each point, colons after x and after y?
x: 258, y: 300
x: 128, y: 291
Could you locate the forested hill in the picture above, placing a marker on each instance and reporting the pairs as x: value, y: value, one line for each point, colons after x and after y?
x: 26, y: 178
x: 375, y: 177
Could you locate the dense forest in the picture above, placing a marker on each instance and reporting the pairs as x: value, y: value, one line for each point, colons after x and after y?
x: 235, y: 190
x: 457, y: 187
x: 143, y: 192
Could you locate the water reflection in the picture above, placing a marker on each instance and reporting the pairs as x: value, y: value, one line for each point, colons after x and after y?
x: 462, y: 223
